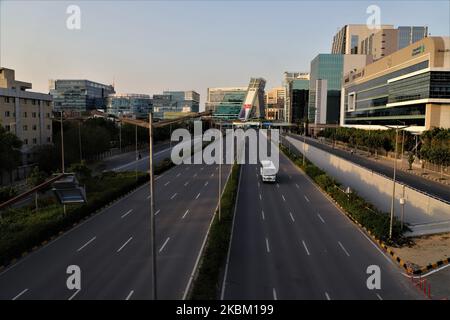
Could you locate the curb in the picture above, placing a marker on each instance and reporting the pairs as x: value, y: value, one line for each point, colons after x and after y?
x: 432, y: 266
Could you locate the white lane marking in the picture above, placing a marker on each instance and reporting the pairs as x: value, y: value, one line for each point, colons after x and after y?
x: 346, y: 252
x: 129, y: 295
x: 260, y: 198
x: 177, y: 175
x: 262, y: 215
x: 75, y: 293
x: 18, y: 296
x: 184, y: 215
x: 297, y: 186
x: 201, y: 169
x: 259, y: 184
x: 327, y: 295
x: 123, y: 246
x: 187, y: 168
x: 195, y: 174
x: 206, y: 183
x: 197, y: 196
x: 166, y: 184
x: 84, y: 245
x: 164, y: 244
x: 174, y: 195
x: 186, y: 183
x: 320, y: 217
x: 267, y: 245
x: 292, y: 217
x: 278, y: 185
x: 379, y: 297
x: 274, y: 293
x: 284, y: 199
x: 148, y: 197
x: 306, y: 248
x: 212, y: 175
x: 127, y: 213
x: 306, y: 198
x: 290, y: 177
x: 157, y: 211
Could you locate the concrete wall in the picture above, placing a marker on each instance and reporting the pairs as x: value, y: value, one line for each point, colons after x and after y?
x: 377, y: 189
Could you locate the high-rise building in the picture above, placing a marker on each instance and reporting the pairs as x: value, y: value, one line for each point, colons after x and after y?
x: 138, y: 105
x: 409, y: 87
x: 348, y: 38
x: 325, y: 82
x: 237, y: 102
x: 274, y: 101
x: 77, y: 96
x: 225, y: 103
x: 296, y: 86
x: 25, y: 113
x: 175, y: 101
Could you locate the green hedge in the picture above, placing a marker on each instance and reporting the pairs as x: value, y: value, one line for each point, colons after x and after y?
x: 207, y: 283
x: 359, y: 209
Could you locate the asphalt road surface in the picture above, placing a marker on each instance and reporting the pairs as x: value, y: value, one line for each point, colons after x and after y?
x: 113, y: 247
x: 432, y: 188
x: 290, y: 242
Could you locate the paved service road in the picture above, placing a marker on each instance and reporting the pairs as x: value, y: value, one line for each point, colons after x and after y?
x: 430, y: 187
x: 290, y: 242
x: 113, y: 248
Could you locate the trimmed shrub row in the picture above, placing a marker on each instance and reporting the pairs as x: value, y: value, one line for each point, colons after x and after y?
x: 207, y: 283
x: 359, y: 209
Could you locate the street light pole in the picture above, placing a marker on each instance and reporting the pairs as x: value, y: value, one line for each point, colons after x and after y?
x: 120, y: 136
x: 152, y: 204
x: 136, y: 152
x: 62, y: 144
x: 220, y: 171
x: 79, y: 141
x: 304, y: 142
x: 393, y: 185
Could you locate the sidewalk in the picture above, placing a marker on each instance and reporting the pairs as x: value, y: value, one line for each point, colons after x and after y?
x: 416, y: 169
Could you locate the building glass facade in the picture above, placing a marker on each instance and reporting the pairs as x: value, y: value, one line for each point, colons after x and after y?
x: 80, y: 95
x: 225, y: 103
x: 138, y: 105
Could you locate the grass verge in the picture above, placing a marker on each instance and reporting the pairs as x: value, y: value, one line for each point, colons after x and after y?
x: 207, y: 282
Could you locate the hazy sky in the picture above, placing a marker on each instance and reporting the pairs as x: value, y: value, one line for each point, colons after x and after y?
x: 149, y: 46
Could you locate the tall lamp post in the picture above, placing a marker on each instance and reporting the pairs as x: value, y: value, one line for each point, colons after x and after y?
x: 220, y: 170
x: 304, y: 141
x: 152, y: 204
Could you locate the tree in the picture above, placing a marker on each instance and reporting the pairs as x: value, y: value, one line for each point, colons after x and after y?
x: 10, y: 155
x: 36, y: 177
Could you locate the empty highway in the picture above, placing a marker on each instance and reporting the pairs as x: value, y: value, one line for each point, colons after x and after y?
x: 290, y: 242
x: 113, y: 247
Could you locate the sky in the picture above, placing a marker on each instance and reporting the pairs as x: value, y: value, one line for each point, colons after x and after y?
x: 151, y: 46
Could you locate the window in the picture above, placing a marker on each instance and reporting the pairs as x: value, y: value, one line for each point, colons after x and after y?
x: 49, y: 139
x: 25, y: 141
x: 34, y: 114
x: 33, y: 102
x: 49, y: 127
x: 7, y: 99
x: 48, y: 115
x: 6, y: 113
x: 8, y: 127
x: 24, y: 114
x: 351, y: 101
x: 34, y: 141
x: 34, y: 127
x: 25, y: 128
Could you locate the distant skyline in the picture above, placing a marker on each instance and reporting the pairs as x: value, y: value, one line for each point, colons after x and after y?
x: 151, y: 46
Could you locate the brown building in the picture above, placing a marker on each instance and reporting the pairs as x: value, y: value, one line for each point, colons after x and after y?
x: 26, y: 114
x: 409, y: 87
x: 274, y: 101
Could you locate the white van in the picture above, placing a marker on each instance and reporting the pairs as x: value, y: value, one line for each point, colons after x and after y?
x: 268, y: 171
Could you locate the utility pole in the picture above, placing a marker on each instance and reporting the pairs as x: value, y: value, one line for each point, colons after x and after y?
x: 120, y: 136
x: 304, y: 142
x: 62, y: 144
x: 152, y: 204
x: 393, y: 185
x: 220, y: 171
x: 136, y: 152
x: 79, y: 141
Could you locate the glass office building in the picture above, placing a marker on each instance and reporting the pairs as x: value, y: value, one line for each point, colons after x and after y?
x: 410, y: 34
x: 138, y: 105
x: 328, y: 67
x: 225, y: 103
x: 410, y: 87
x: 175, y: 101
x: 76, y: 96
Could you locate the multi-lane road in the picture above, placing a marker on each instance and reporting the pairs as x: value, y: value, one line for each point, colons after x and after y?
x: 113, y: 250
x: 290, y: 241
